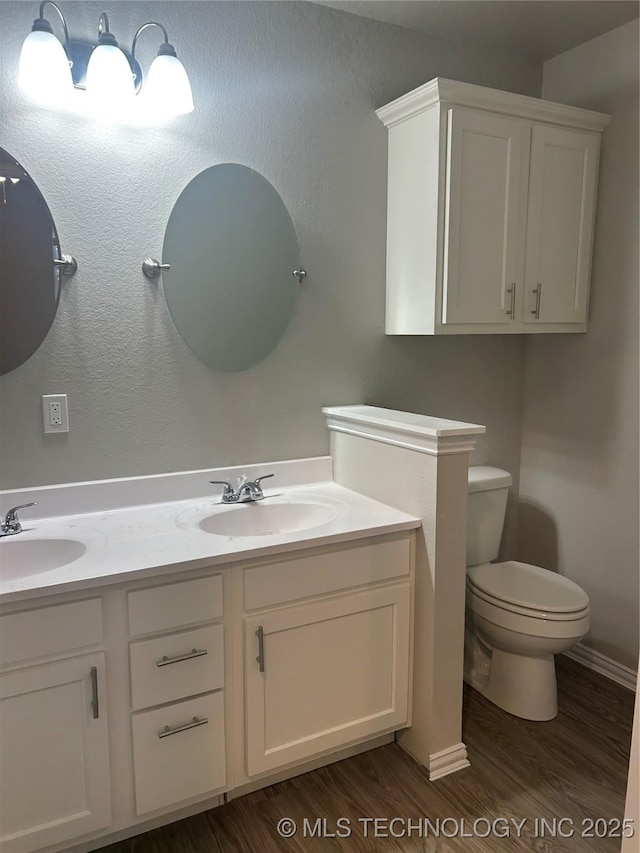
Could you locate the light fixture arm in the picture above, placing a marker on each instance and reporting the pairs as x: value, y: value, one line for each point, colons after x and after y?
x: 105, y: 36
x: 103, y: 24
x: 165, y: 48
x: 41, y: 17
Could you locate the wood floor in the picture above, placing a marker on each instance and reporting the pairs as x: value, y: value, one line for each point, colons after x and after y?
x: 574, y: 767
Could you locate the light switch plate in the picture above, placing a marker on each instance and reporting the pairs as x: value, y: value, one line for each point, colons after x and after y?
x: 55, y: 413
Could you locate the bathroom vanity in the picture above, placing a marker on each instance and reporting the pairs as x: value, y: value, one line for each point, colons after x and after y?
x: 161, y: 651
x: 137, y: 687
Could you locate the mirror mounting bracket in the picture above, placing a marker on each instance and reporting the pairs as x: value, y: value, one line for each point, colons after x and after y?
x: 152, y: 268
x: 67, y: 264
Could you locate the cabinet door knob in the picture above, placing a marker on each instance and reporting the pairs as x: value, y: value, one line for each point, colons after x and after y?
x: 512, y: 291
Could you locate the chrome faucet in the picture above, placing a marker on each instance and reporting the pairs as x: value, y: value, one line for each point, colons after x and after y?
x: 11, y: 524
x: 248, y: 490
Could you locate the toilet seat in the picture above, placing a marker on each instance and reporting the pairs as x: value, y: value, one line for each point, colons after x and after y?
x: 528, y: 590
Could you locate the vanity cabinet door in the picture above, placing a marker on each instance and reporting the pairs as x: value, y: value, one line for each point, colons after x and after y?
x: 326, y: 674
x: 487, y: 165
x: 564, y: 168
x: 54, y: 756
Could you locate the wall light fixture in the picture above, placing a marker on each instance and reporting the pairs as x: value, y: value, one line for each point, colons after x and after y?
x: 50, y: 70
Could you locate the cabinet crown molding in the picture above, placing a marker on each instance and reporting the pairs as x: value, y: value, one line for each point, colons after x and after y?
x: 443, y: 91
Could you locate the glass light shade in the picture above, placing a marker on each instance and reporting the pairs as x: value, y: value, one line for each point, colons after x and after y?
x: 44, y: 71
x: 109, y: 79
x: 167, y: 90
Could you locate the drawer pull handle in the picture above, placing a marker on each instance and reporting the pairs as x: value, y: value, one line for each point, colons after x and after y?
x: 95, y: 705
x: 194, y: 653
x: 167, y: 730
x: 260, y: 658
x: 512, y: 309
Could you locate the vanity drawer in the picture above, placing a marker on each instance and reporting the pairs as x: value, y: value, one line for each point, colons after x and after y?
x: 326, y: 572
x: 185, y: 760
x: 176, y: 666
x: 50, y: 630
x: 173, y: 605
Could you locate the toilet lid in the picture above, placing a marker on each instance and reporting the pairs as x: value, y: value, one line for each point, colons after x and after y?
x: 528, y: 586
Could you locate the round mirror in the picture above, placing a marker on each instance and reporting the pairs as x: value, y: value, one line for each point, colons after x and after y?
x: 232, y: 250
x: 29, y: 281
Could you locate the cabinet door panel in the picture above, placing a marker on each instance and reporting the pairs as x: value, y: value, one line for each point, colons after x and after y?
x: 560, y: 225
x: 334, y: 672
x: 54, y: 757
x: 486, y: 181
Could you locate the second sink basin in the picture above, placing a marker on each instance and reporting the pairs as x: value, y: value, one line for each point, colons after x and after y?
x: 266, y: 519
x: 21, y: 557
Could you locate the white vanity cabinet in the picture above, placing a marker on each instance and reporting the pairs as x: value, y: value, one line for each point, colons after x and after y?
x: 330, y: 671
x: 191, y: 716
x: 491, y: 205
x: 54, y: 748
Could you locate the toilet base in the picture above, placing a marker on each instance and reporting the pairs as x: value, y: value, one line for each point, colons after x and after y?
x: 524, y: 686
x: 510, y: 657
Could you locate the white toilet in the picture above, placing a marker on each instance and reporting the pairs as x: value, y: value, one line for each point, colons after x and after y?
x: 518, y: 616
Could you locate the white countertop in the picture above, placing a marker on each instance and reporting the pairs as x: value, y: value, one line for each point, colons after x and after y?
x: 140, y: 541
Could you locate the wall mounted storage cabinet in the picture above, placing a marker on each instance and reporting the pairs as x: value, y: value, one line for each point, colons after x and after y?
x: 491, y: 206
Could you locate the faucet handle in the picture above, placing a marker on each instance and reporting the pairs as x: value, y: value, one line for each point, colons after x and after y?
x: 258, y: 480
x: 11, y: 523
x: 12, y: 514
x: 228, y: 488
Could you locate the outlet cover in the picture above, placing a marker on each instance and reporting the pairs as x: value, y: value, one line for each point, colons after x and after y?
x: 55, y: 413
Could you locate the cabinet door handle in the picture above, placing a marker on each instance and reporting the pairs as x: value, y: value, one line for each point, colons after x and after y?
x: 512, y: 309
x: 538, y: 292
x: 194, y: 653
x: 260, y: 658
x: 95, y: 704
x: 167, y: 730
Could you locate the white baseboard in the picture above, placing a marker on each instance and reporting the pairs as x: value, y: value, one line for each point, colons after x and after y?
x: 598, y: 662
x: 447, y: 761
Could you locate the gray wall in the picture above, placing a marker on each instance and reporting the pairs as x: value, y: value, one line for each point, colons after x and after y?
x: 579, y: 476
x: 288, y: 89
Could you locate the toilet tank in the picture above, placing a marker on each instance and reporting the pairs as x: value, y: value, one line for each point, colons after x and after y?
x: 488, y: 491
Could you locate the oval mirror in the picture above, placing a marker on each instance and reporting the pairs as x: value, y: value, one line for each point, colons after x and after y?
x: 232, y: 250
x: 29, y: 281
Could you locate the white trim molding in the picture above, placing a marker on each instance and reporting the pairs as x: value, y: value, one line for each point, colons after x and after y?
x: 452, y: 92
x: 442, y: 763
x: 598, y: 662
x: 426, y: 434
x: 447, y: 761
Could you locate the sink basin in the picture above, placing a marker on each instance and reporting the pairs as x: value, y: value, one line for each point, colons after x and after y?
x: 267, y: 519
x: 22, y: 557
